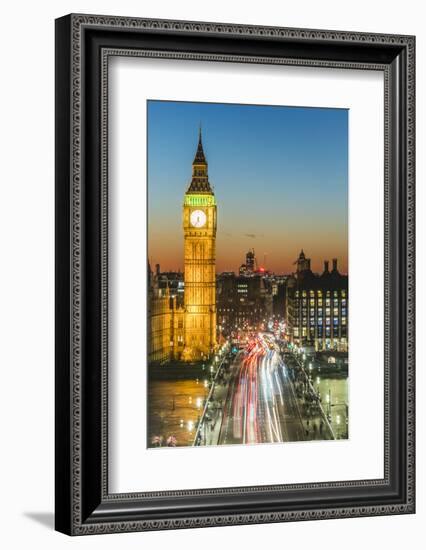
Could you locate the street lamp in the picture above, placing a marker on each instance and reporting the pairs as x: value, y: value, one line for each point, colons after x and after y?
x: 328, y: 400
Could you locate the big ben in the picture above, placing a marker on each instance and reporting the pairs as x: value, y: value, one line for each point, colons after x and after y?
x: 199, y: 226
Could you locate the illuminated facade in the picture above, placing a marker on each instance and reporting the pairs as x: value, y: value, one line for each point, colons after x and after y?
x: 199, y: 226
x: 317, y: 307
x: 184, y: 329
x: 243, y: 302
x: 165, y: 320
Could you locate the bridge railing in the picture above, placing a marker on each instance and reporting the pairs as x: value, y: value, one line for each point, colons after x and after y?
x: 309, y: 382
x: 201, y: 422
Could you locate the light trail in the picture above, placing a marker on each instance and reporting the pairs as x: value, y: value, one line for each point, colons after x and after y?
x: 262, y: 405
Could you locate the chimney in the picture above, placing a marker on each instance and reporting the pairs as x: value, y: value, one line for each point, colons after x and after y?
x: 325, y: 266
x: 308, y: 262
x: 334, y: 264
x: 157, y: 269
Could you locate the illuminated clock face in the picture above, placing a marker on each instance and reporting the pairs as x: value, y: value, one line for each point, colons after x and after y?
x: 198, y: 218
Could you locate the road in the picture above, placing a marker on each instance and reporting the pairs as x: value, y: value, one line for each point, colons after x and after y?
x: 261, y: 404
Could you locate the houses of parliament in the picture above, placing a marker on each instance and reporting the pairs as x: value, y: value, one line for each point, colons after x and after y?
x: 182, y: 317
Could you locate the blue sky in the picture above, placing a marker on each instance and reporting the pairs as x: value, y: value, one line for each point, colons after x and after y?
x: 280, y: 176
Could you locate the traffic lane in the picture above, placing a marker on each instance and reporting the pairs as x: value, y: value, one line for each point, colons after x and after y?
x: 279, y: 403
x: 291, y: 414
x: 261, y: 404
x: 226, y: 436
x: 240, y: 421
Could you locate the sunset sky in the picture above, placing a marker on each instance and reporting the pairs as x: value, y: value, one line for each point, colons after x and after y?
x: 280, y: 176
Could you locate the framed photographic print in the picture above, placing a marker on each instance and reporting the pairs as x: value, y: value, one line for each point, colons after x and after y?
x: 234, y: 274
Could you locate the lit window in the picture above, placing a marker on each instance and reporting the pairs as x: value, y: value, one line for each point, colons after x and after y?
x: 320, y: 301
x: 327, y: 311
x: 327, y: 302
x: 343, y: 293
x: 336, y: 311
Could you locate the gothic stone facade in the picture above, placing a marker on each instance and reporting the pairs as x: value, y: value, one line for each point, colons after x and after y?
x: 188, y: 332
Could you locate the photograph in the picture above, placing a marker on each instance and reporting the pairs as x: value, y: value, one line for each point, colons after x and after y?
x: 247, y: 274
x: 221, y: 191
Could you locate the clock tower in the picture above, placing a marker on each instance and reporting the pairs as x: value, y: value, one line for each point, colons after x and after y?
x: 199, y: 226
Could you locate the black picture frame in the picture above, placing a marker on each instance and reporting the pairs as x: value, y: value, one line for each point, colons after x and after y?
x: 83, y: 44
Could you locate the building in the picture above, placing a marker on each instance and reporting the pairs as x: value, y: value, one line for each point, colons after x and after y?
x: 199, y: 226
x: 248, y: 267
x: 243, y: 302
x: 317, y: 307
x: 173, y: 280
x: 240, y: 302
x: 182, y: 307
x: 279, y: 289
x: 165, y: 318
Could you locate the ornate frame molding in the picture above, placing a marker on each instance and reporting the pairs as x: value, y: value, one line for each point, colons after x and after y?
x: 72, y: 517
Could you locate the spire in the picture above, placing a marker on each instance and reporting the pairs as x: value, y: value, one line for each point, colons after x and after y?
x: 199, y: 155
x: 200, y: 180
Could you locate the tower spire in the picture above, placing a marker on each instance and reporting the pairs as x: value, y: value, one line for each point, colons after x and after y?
x: 200, y: 157
x: 200, y: 180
